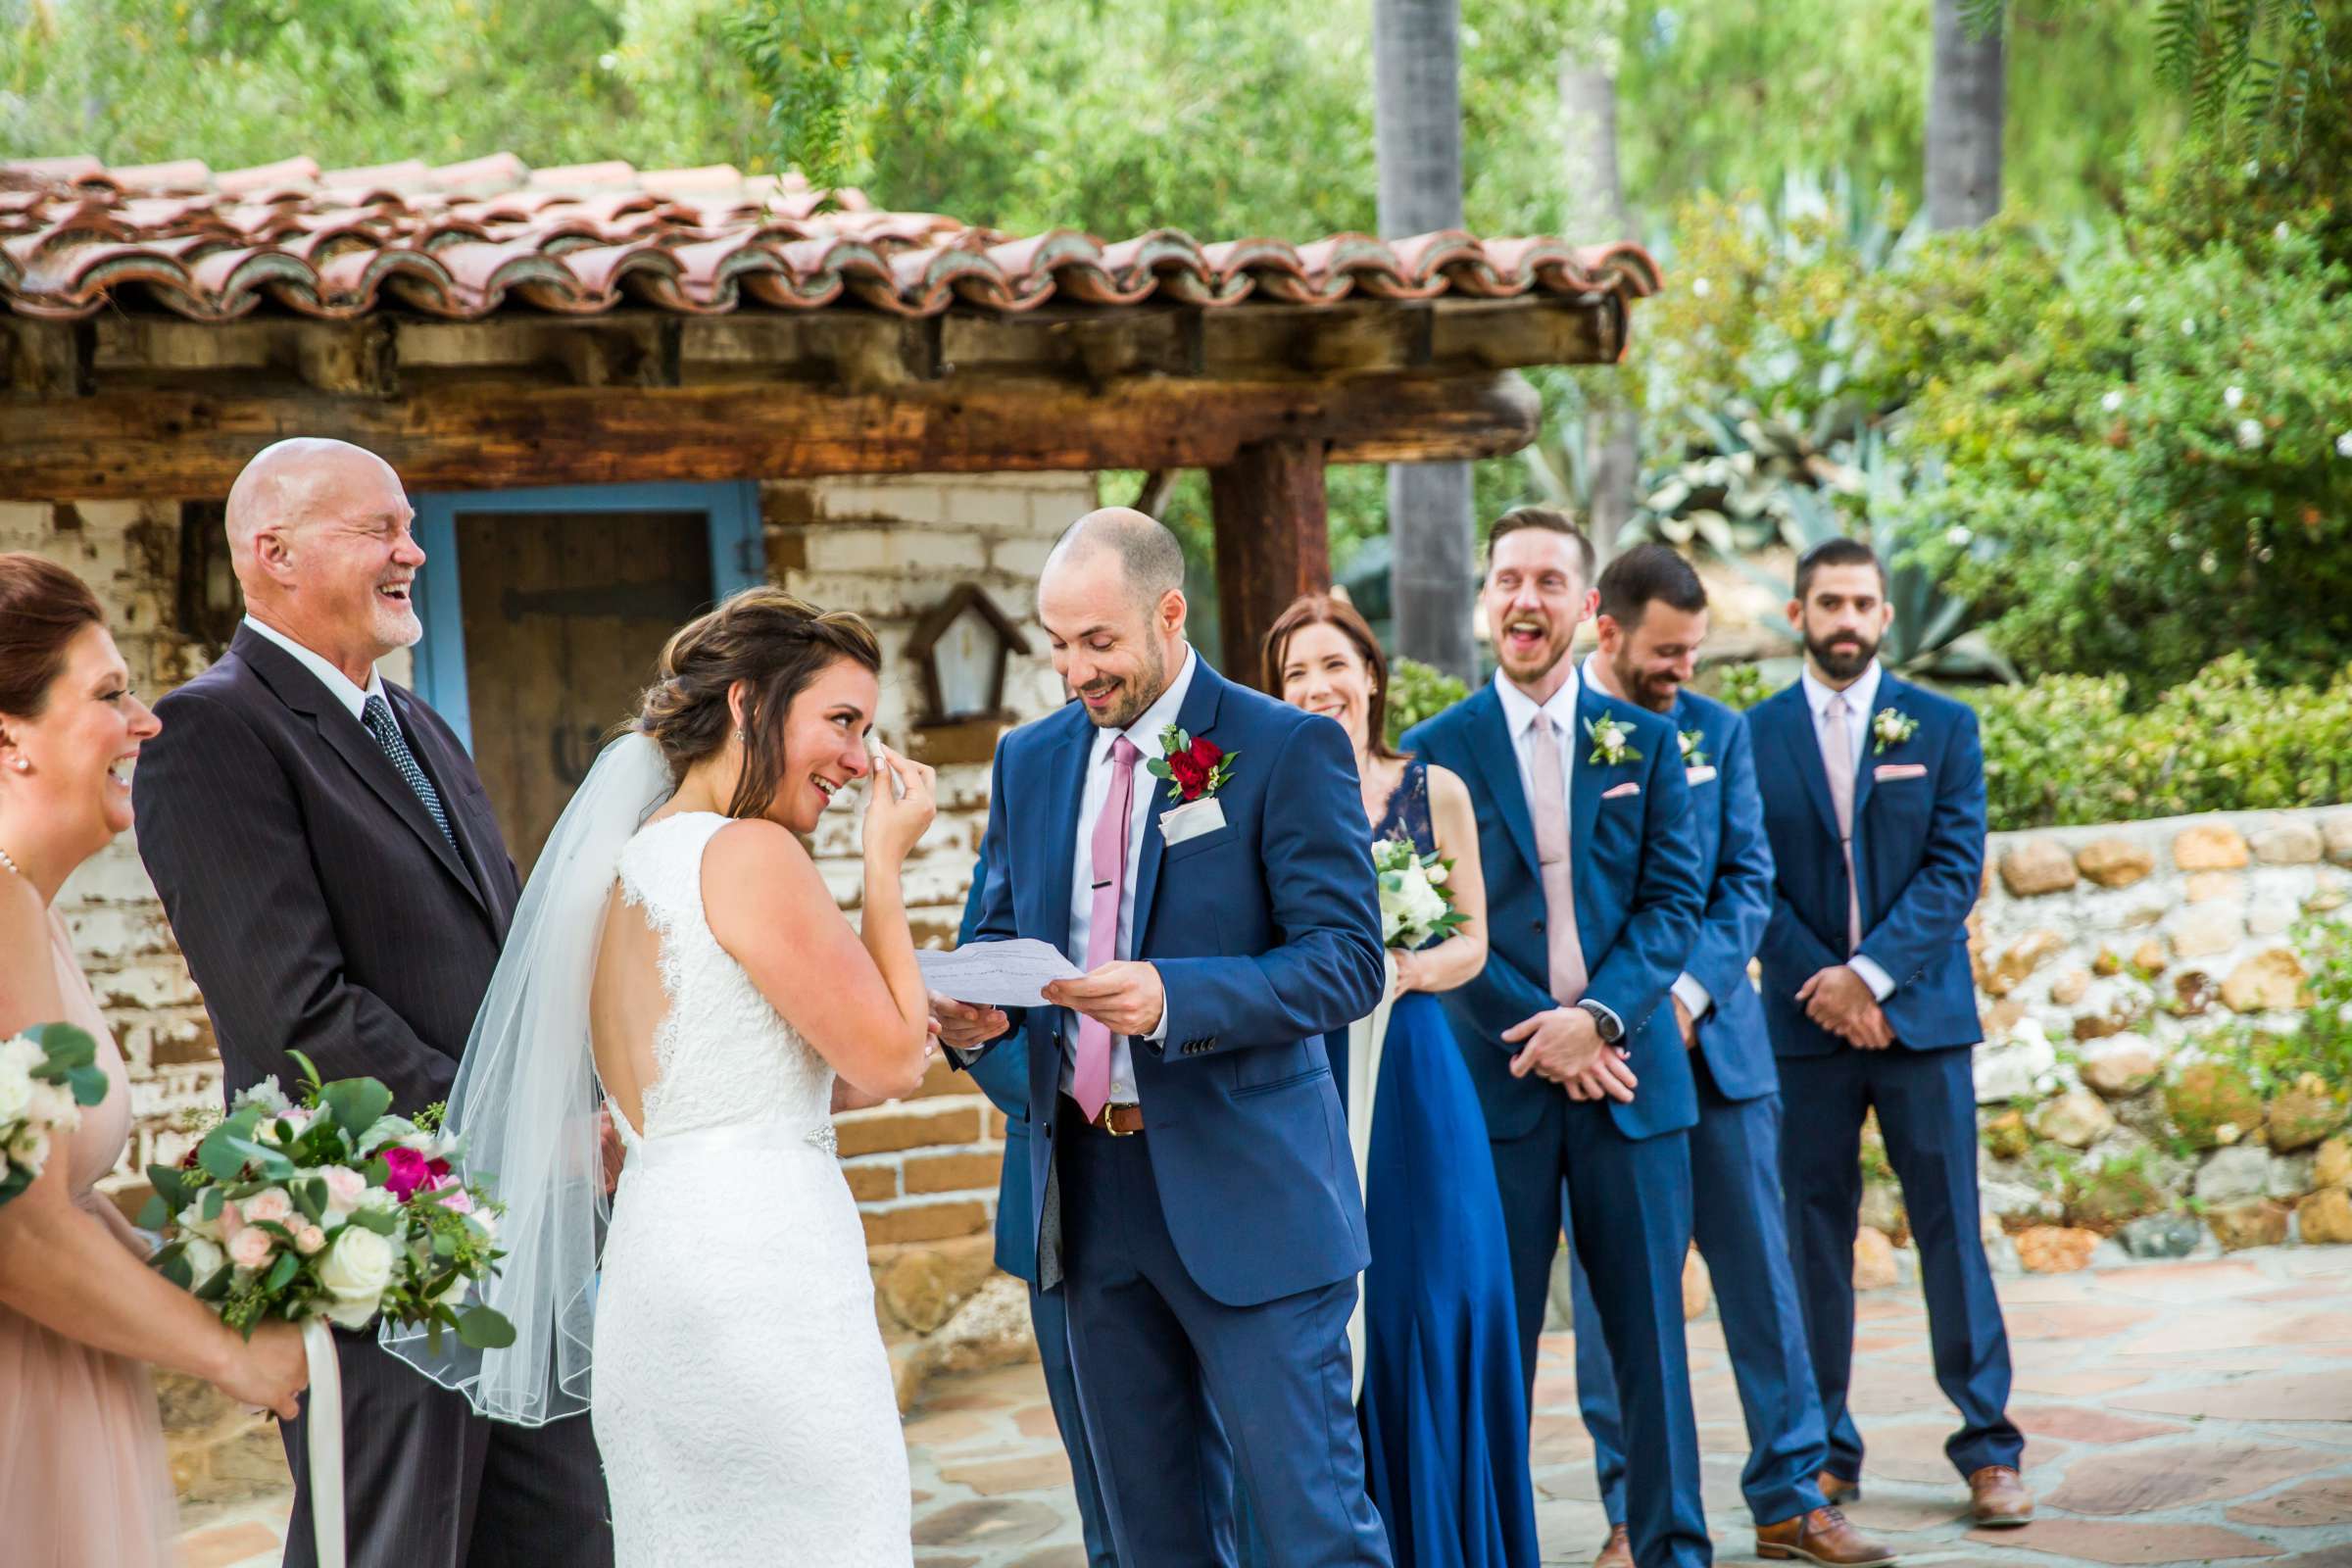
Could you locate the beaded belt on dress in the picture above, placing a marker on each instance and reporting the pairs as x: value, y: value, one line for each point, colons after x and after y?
x: 775, y: 1135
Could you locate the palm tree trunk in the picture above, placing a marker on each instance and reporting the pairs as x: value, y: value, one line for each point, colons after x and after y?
x: 1417, y: 122
x: 1596, y: 211
x: 1965, y: 107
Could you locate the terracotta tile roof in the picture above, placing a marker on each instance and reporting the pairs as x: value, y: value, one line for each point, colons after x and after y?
x: 464, y: 240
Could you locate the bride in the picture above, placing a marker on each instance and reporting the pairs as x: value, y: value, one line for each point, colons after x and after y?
x: 677, y: 950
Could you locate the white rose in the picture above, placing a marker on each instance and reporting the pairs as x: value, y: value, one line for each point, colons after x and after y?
x: 352, y: 1315
x: 380, y: 1199
x: 204, y: 1260
x: 486, y: 1221
x: 1436, y: 876
x: 16, y: 1086
x: 357, y: 1267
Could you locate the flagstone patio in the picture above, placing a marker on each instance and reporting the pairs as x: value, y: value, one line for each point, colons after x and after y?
x: 2177, y: 1413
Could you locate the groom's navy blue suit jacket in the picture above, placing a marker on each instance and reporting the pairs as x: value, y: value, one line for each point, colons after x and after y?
x: 1640, y: 891
x: 1265, y: 933
x: 1919, y: 856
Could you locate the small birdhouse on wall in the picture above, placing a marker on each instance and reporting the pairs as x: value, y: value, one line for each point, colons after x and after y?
x: 963, y: 645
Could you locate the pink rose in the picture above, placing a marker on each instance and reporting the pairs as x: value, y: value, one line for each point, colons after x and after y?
x: 272, y: 1204
x: 249, y: 1248
x: 407, y: 1170
x: 344, y: 1187
x: 309, y: 1240
x: 232, y: 1220
x: 457, y: 1199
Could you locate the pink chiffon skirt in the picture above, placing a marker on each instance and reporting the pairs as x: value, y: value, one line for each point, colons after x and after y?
x: 83, y: 1479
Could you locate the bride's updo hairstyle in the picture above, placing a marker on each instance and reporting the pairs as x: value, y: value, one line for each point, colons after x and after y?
x: 765, y: 636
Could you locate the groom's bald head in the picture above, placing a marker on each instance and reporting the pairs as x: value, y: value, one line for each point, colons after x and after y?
x: 1111, y: 600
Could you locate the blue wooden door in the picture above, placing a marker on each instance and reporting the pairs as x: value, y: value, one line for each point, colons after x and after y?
x: 545, y: 612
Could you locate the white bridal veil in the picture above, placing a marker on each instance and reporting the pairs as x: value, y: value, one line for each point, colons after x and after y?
x: 525, y: 1102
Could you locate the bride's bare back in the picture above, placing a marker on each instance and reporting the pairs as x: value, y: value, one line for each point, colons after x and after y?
x: 626, y: 1005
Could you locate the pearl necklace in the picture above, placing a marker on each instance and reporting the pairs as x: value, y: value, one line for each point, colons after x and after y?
x: 11, y: 864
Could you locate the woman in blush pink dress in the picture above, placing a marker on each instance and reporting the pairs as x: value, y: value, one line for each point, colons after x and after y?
x: 82, y: 1478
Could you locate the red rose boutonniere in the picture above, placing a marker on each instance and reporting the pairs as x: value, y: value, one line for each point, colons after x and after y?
x: 1192, y: 767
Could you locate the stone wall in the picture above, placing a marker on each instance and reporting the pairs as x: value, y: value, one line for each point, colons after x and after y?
x: 2117, y: 967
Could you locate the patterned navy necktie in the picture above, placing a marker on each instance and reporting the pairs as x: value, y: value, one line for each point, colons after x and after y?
x: 377, y: 717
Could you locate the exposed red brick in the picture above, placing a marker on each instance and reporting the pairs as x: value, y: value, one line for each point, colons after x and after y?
x: 930, y: 1222
x: 871, y: 1182
x: 953, y: 1173
x: 893, y: 1129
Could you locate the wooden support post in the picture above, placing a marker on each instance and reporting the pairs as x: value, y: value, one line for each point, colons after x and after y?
x: 1273, y: 536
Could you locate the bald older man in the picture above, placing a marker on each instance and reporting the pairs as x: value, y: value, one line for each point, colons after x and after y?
x: 1195, y: 1202
x: 338, y: 885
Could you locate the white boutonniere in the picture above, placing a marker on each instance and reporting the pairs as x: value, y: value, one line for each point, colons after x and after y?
x: 1611, y: 742
x: 1693, y: 741
x: 1890, y: 726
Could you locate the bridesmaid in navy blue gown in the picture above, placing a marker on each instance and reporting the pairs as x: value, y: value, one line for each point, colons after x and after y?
x: 1444, y: 1415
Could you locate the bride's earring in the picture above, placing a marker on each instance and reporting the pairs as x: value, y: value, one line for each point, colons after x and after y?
x: 23, y: 765
x: 742, y: 737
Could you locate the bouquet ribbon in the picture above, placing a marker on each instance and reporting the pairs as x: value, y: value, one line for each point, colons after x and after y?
x: 326, y: 1442
x: 1367, y: 1037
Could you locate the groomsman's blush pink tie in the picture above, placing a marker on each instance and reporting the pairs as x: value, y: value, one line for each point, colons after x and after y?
x: 1550, y: 806
x: 1091, y: 1084
x: 1838, y: 760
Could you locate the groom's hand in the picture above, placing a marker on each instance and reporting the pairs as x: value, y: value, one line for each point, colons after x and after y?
x: 1564, y: 1045
x: 1125, y: 998
x: 966, y: 1026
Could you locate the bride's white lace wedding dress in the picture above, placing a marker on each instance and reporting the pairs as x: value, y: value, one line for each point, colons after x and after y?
x: 742, y: 1401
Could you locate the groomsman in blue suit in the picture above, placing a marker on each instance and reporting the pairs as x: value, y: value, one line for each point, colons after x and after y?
x: 1593, y: 897
x: 1874, y: 800
x: 1653, y: 617
x: 1004, y: 1076
x: 1193, y: 847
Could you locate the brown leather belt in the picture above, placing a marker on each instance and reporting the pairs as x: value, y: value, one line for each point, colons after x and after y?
x: 1120, y: 1120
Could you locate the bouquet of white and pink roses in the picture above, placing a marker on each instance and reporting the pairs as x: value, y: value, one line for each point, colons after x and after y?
x: 47, y: 1074
x: 330, y: 1208
x: 1414, y: 905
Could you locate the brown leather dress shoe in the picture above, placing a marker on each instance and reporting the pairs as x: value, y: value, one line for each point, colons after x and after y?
x: 1835, y: 1488
x: 1997, y: 1496
x: 1824, y: 1536
x: 1619, y: 1552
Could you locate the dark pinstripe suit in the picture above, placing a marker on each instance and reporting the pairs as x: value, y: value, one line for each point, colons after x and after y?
x: 321, y: 910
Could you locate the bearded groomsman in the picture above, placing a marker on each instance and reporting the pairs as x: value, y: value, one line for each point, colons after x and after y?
x: 1873, y: 801
x: 1594, y: 896
x: 1653, y: 617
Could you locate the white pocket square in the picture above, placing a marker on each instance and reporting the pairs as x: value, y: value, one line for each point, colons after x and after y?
x: 1705, y: 773
x: 1629, y: 787
x: 1192, y: 819
x: 1890, y: 770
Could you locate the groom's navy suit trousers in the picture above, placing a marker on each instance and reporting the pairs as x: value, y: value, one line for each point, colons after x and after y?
x: 1622, y: 1171
x: 1004, y: 1076
x: 1735, y: 1155
x: 1919, y: 859
x: 1209, y: 1262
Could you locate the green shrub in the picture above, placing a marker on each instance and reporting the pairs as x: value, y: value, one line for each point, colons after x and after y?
x: 2119, y: 1190
x: 1417, y: 690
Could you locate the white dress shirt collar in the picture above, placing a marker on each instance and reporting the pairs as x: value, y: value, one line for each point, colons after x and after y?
x: 1144, y: 731
x: 1860, y: 697
x: 1519, y: 709
x: 338, y: 684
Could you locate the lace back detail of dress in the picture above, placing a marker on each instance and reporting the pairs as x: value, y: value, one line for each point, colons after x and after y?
x: 1407, y: 812
x: 722, y: 1053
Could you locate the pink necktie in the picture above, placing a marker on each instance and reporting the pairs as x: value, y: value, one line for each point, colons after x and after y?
x: 1091, y: 1082
x: 1838, y: 760
x: 1567, y: 950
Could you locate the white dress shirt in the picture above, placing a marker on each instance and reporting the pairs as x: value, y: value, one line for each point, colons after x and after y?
x: 1860, y: 700
x: 333, y: 679
x: 1693, y: 996
x: 1144, y: 734
x: 1519, y: 713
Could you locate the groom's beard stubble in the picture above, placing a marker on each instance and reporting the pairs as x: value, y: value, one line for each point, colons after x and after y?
x: 1845, y: 658
x: 1134, y: 698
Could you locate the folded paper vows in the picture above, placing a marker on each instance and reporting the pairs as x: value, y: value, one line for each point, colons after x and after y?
x: 1192, y: 819
x: 1887, y: 770
x: 997, y: 974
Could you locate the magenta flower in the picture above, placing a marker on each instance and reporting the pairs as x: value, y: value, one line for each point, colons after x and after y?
x: 407, y: 1171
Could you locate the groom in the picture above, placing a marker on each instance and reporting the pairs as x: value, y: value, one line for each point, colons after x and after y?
x: 1194, y: 1199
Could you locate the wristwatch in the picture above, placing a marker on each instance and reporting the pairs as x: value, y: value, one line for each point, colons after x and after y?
x: 1611, y: 1031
